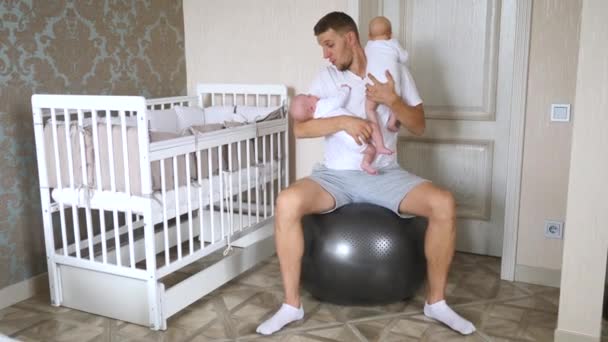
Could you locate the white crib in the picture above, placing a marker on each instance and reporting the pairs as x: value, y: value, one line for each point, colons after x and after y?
x: 125, y: 207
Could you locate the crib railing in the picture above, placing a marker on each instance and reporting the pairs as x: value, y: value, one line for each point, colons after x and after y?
x: 222, y: 205
x: 215, y: 187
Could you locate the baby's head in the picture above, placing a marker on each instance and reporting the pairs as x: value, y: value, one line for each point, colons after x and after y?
x: 380, y: 28
x: 303, y: 107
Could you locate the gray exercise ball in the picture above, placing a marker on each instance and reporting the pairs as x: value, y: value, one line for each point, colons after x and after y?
x: 363, y: 254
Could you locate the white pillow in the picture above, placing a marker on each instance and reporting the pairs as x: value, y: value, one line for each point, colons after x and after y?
x: 189, y: 116
x: 219, y: 114
x: 240, y: 114
x: 248, y: 114
x: 164, y: 120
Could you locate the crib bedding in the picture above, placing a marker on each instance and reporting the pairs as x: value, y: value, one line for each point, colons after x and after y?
x: 107, y: 200
x: 214, y: 118
x: 103, y: 154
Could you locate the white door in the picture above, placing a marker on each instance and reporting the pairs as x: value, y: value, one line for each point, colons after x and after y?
x: 464, y: 76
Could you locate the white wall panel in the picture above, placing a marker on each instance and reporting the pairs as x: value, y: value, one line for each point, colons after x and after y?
x: 462, y: 166
x: 453, y: 48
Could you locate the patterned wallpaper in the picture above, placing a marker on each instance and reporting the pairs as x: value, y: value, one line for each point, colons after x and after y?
x: 118, y: 47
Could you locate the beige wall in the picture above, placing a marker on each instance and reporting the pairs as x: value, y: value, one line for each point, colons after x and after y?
x: 546, y: 156
x: 269, y: 41
x: 584, y: 261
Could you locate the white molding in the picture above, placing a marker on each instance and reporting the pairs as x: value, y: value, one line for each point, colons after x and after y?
x: 538, y: 275
x: 516, y: 137
x: 23, y: 290
x: 569, y: 336
x: 353, y: 10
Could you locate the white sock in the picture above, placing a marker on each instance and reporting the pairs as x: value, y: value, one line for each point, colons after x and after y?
x: 442, y: 312
x: 284, y: 316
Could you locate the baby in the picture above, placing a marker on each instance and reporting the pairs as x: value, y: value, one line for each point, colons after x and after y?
x: 305, y: 107
x: 383, y: 53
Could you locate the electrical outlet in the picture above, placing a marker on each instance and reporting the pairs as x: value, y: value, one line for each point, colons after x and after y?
x: 554, y: 229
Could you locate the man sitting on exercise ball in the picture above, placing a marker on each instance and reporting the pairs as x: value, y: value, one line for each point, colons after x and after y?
x: 394, y: 188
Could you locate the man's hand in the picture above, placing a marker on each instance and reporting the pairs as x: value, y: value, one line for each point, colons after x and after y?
x: 359, y: 129
x: 379, y: 92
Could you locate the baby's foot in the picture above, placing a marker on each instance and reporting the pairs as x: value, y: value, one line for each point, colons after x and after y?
x: 384, y: 150
x: 369, y: 169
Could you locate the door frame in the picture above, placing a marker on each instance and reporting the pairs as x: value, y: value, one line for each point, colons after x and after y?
x: 519, y: 30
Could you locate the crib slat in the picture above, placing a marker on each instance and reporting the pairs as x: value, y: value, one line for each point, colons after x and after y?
x: 271, y: 177
x: 280, y: 162
x: 200, y: 198
x: 163, y: 187
x: 188, y: 192
x: 102, y: 218
x: 85, y: 181
x: 70, y: 156
x: 249, y: 162
x: 113, y: 186
x: 229, y: 204
x: 221, y: 176
x: 55, y: 134
x: 257, y: 181
x: 265, y: 187
x: 177, y: 211
x: 286, y: 156
x: 125, y: 158
x: 210, y: 177
x: 240, y: 188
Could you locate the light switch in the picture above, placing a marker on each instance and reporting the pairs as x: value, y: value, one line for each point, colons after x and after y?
x: 560, y: 112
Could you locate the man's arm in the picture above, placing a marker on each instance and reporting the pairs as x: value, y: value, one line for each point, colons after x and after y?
x: 411, y: 117
x: 358, y: 128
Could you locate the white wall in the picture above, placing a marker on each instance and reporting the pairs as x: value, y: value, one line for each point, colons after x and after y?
x: 270, y: 41
x: 584, y: 260
x: 546, y: 156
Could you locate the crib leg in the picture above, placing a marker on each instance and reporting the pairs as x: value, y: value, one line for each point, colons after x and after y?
x: 155, y: 289
x: 47, y: 222
x: 154, y: 307
x: 54, y: 283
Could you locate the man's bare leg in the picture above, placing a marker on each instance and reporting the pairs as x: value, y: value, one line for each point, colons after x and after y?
x: 439, y: 207
x: 301, y: 198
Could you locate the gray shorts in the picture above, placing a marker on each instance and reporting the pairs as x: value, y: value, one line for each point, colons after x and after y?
x: 387, y: 189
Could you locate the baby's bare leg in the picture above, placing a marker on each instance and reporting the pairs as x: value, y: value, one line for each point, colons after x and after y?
x: 377, y: 139
x: 368, y: 157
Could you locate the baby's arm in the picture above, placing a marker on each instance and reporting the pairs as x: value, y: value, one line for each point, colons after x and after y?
x: 402, y: 54
x: 339, y: 100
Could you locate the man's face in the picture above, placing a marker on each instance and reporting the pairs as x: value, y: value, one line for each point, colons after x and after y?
x: 336, y: 48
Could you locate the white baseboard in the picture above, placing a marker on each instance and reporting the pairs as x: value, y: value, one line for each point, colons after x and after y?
x: 569, y: 336
x: 538, y: 275
x: 21, y: 291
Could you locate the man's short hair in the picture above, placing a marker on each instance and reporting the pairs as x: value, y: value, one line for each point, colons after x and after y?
x: 337, y: 21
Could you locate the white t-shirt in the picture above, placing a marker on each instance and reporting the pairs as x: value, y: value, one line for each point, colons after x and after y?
x: 328, y: 83
x: 328, y: 107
